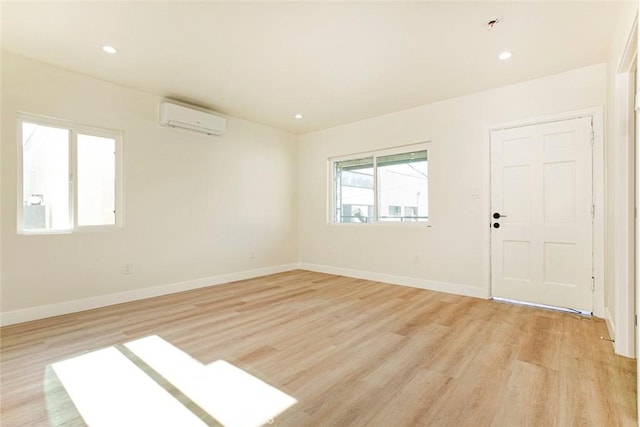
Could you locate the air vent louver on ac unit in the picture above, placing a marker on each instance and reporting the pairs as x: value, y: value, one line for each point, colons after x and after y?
x: 179, y: 116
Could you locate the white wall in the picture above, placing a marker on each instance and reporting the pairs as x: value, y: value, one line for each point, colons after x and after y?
x: 453, y: 250
x: 195, y: 206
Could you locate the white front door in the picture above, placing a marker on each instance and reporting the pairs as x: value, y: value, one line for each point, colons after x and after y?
x: 541, y: 188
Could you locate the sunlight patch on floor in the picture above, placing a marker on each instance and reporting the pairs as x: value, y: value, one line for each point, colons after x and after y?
x: 110, y: 387
x: 110, y: 390
x: 229, y: 394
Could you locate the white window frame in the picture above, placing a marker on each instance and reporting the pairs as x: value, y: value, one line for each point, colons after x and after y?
x: 74, y: 129
x: 331, y: 212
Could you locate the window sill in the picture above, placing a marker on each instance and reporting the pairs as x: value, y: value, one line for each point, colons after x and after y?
x: 81, y: 230
x: 424, y: 224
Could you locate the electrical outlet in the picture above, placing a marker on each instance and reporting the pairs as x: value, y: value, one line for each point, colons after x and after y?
x: 252, y: 255
x: 416, y: 259
x: 128, y: 269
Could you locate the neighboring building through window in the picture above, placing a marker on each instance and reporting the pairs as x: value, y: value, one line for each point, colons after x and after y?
x: 376, y: 187
x: 69, y: 176
x: 410, y: 211
x: 395, y: 211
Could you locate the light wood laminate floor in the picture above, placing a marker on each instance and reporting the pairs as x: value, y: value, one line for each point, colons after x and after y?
x: 352, y: 353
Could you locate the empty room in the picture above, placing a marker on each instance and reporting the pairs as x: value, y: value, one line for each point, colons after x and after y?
x: 319, y: 213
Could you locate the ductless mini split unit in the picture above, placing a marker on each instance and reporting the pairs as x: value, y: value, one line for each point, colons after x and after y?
x: 181, y: 117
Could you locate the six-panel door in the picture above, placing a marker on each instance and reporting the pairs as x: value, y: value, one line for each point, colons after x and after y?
x: 541, y: 186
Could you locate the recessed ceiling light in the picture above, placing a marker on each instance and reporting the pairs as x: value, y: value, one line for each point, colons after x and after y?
x: 109, y: 49
x: 505, y: 55
x: 298, y: 116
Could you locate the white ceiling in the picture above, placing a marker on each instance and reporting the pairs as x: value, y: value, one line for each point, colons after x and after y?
x: 334, y: 62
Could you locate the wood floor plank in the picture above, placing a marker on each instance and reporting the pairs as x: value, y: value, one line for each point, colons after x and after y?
x: 352, y: 352
x: 533, y: 396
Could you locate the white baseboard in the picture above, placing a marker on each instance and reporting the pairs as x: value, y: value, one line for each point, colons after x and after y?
x: 74, y: 306
x: 451, y: 288
x: 621, y: 345
x: 608, y: 318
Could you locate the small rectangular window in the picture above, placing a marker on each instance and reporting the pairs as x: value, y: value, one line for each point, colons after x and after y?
x: 385, y: 186
x: 69, y: 176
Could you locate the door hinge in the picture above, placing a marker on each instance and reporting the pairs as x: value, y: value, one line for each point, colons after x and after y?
x: 593, y: 211
x: 593, y: 284
x: 635, y: 318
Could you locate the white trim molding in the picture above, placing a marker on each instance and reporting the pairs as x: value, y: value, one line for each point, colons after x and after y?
x: 624, y: 142
x: 624, y: 295
x: 413, y: 282
x: 608, y: 319
x: 74, y: 306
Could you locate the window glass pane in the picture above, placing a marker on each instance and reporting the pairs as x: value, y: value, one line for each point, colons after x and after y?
x: 354, y: 190
x: 45, y: 177
x: 96, y: 180
x: 402, y: 181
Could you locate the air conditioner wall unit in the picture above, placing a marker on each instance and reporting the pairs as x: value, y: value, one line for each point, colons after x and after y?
x: 181, y: 117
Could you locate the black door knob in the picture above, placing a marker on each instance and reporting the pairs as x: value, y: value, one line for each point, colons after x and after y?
x: 496, y: 225
x: 496, y: 215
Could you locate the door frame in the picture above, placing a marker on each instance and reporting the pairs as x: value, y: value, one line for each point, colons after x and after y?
x: 623, y: 327
x: 598, y: 228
